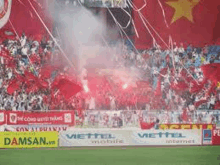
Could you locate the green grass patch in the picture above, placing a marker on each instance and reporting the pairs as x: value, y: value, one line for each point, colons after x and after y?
x: 206, y: 155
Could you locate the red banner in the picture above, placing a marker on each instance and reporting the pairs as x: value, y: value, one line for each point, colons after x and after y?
x: 187, y: 126
x: 46, y: 118
x: 216, y: 137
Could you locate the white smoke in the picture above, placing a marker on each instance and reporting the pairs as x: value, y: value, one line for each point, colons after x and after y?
x: 85, y: 37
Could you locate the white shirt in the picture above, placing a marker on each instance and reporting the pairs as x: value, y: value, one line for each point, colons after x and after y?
x: 23, y: 41
x: 200, y: 78
x: 9, y: 75
x: 175, y: 49
x: 212, y: 100
x: 191, y: 107
x: 181, y: 50
x: 24, y: 50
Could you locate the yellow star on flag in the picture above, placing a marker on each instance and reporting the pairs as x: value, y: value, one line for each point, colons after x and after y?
x: 183, y: 8
x: 218, y: 85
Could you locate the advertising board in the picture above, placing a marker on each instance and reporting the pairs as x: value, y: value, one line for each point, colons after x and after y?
x: 53, y: 118
x: 36, y: 128
x: 28, y: 139
x: 167, y: 137
x: 94, y: 137
x: 216, y: 137
x: 207, y: 136
x: 99, y: 137
x: 187, y: 126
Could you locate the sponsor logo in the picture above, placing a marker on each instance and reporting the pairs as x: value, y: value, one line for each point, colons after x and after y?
x: 161, y: 135
x: 67, y: 118
x: 27, y: 141
x: 180, y: 141
x: 207, y: 136
x: 96, y: 138
x: 90, y: 136
x: 13, y: 118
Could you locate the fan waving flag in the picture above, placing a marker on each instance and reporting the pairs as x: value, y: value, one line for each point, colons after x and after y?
x: 211, y: 71
x: 185, y: 21
x: 67, y: 88
x: 13, y: 86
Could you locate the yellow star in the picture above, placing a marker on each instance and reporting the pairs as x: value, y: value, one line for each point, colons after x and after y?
x: 218, y: 85
x: 183, y: 8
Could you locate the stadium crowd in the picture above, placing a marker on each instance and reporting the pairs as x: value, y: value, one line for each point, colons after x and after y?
x: 170, y: 80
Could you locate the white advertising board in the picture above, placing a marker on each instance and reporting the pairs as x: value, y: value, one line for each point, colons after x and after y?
x: 167, y: 137
x: 94, y: 137
x: 111, y: 137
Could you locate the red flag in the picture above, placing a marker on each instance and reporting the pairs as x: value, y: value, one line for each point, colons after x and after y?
x: 145, y: 125
x: 67, y: 87
x: 35, y: 59
x: 13, y: 86
x: 196, y: 88
x: 217, y: 105
x: 11, y: 64
x: 180, y: 86
x: 19, y: 77
x: 30, y: 76
x: 56, y: 81
x: 46, y: 71
x: 5, y: 53
x: 186, y: 21
x: 211, y: 72
x: 200, y: 102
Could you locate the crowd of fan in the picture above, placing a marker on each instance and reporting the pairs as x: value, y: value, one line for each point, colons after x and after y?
x: 18, y: 56
x: 162, y: 70
x: 176, y: 77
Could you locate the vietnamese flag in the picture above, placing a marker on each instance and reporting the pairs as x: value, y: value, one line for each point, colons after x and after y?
x: 185, y: 21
